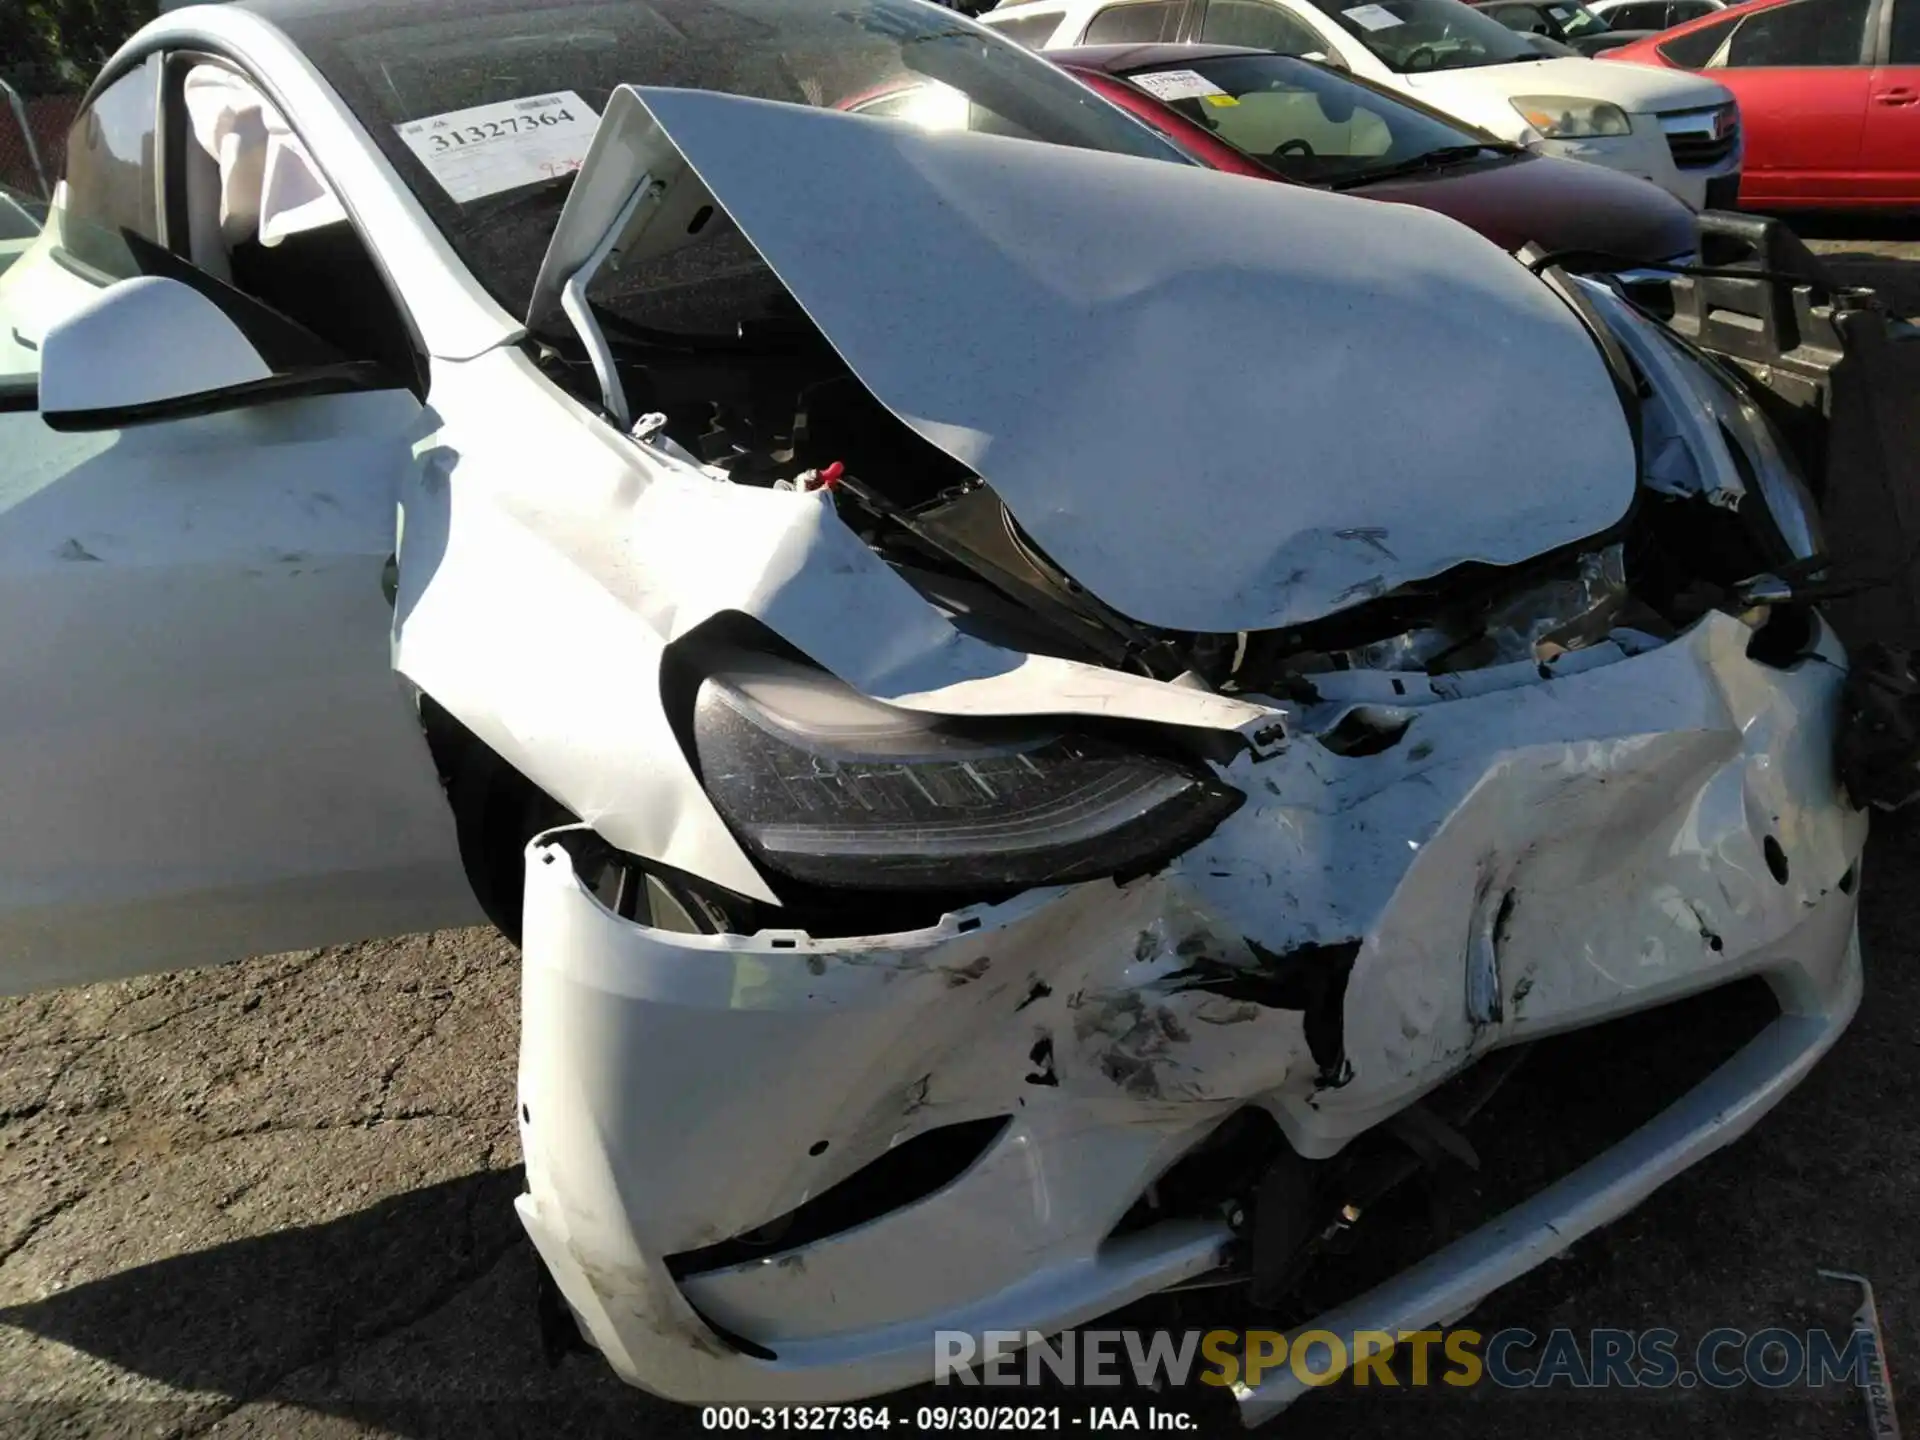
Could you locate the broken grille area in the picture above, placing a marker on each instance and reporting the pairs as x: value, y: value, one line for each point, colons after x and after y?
x: 1312, y: 1235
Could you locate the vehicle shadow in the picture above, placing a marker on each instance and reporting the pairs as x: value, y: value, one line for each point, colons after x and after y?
x: 1881, y: 252
x: 414, y: 1316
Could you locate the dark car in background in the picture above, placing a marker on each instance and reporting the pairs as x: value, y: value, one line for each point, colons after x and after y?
x: 1281, y: 117
x: 1567, y: 21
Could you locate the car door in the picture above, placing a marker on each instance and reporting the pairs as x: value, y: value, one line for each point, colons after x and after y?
x: 207, y: 753
x: 1890, y: 147
x: 1801, y: 73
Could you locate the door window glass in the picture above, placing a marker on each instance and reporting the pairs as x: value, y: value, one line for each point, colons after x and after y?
x: 260, y: 216
x: 1524, y: 18
x: 1032, y: 31
x: 1258, y: 27
x: 1695, y: 48
x: 111, y: 168
x: 1807, y: 32
x: 1639, y: 17
x: 1904, y: 47
x: 1147, y: 23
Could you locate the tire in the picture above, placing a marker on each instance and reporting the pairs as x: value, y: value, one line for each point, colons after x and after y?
x: 497, y: 811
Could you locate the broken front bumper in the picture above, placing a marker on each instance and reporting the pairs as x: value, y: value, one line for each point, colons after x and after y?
x: 1532, y: 857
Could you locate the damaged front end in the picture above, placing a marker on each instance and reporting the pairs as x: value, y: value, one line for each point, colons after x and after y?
x: 1026, y: 778
x: 768, y: 1166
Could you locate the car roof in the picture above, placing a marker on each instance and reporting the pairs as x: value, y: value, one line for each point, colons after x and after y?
x: 1118, y: 59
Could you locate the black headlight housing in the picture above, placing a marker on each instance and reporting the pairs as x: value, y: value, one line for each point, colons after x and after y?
x: 831, y: 788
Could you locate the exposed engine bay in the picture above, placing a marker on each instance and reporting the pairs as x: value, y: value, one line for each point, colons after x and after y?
x: 760, y: 397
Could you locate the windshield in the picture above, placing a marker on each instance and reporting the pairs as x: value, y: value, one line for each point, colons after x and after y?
x: 486, y: 106
x: 1414, y: 35
x: 1302, y: 122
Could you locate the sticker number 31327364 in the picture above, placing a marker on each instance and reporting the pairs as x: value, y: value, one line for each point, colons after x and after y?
x: 494, y: 129
x: 485, y: 149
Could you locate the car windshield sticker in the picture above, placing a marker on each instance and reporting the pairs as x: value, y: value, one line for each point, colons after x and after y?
x: 1373, y: 17
x: 1558, y: 12
x: 1177, y: 84
x: 1222, y: 100
x: 489, y: 148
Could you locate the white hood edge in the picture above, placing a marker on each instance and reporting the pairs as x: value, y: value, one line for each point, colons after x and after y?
x: 1218, y: 404
x: 1637, y: 89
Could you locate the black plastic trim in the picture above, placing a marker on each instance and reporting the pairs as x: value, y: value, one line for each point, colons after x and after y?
x: 346, y: 377
x: 905, y: 1175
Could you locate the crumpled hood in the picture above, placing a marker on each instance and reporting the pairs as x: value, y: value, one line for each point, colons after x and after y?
x: 1218, y: 404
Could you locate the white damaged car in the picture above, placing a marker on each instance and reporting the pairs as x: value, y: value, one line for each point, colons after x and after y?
x: 977, y: 671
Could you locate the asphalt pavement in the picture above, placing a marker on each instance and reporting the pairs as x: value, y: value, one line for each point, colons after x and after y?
x: 275, y: 1198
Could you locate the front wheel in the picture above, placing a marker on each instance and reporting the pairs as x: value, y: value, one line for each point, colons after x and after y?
x: 496, y: 812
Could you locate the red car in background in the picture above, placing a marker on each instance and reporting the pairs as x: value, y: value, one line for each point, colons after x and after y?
x: 1829, y: 93
x: 1280, y: 117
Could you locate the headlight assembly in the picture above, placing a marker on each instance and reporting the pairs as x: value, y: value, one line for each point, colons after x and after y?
x: 829, y: 787
x: 1567, y: 117
x: 1706, y: 437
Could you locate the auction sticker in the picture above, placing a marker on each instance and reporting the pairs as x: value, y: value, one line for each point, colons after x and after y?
x: 489, y: 148
x: 1373, y: 17
x: 1176, y: 84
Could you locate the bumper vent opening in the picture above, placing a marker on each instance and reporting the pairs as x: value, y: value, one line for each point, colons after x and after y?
x: 909, y: 1172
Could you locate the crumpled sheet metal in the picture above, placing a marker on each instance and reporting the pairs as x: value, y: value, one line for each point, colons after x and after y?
x: 537, y: 614
x: 1598, y: 843
x: 1186, y: 417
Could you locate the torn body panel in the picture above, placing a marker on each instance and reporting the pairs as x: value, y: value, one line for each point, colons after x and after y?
x: 538, y: 614
x: 1027, y: 286
x: 1567, y: 851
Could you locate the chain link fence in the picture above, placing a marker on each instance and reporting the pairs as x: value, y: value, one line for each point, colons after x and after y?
x: 36, y: 109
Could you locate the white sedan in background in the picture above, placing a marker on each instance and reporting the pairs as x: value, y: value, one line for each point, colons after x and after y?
x: 1677, y: 129
x: 983, y: 675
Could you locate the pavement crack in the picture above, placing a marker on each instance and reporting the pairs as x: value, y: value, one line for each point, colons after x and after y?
x: 40, y: 1222
x: 393, y: 1068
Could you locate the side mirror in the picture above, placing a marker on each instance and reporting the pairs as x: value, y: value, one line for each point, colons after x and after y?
x: 152, y: 348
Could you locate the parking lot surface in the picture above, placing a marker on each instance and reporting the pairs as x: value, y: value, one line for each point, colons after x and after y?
x: 274, y: 1198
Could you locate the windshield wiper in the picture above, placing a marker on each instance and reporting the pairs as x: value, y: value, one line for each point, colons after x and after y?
x: 1438, y: 159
